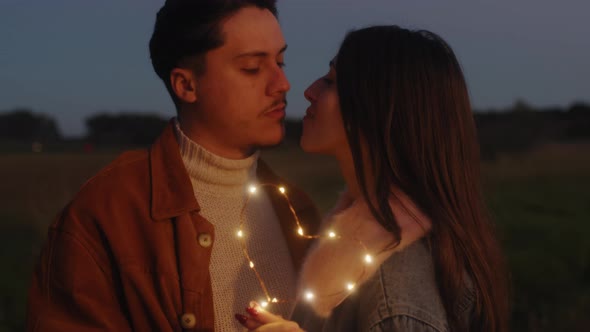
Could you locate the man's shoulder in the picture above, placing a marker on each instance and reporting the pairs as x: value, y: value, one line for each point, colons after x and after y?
x: 126, y: 166
x: 112, y: 185
x: 126, y: 162
x: 114, y: 196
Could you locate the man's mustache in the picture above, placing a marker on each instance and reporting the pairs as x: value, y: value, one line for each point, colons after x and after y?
x: 276, y: 103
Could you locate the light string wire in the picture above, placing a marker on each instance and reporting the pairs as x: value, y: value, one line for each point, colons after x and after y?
x: 331, y: 235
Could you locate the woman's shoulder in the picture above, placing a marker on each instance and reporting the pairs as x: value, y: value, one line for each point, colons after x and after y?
x: 404, y: 287
x: 404, y: 292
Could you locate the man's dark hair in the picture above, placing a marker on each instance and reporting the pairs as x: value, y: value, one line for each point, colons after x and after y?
x: 187, y: 29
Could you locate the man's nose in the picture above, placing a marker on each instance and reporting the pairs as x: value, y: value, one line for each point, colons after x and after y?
x: 280, y: 83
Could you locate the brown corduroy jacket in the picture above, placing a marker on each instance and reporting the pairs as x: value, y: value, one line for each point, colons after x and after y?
x: 131, y: 251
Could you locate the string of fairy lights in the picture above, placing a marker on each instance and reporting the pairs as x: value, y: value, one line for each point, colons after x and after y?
x: 331, y: 235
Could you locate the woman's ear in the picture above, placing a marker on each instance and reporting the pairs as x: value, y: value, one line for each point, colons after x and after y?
x: 184, y: 84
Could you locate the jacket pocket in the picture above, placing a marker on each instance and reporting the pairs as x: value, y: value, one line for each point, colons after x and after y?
x: 153, y: 298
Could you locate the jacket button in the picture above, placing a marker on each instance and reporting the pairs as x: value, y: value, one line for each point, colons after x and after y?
x: 188, y: 321
x: 205, y: 240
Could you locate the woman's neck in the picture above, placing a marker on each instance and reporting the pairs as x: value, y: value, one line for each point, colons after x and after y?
x: 348, y: 169
x: 349, y: 174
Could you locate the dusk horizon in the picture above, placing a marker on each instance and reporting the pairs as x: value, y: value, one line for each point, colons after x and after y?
x: 61, y: 59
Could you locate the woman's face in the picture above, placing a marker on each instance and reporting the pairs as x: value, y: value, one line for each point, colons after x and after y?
x: 323, y: 129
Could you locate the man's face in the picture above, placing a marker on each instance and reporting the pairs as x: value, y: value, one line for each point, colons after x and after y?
x: 241, y: 97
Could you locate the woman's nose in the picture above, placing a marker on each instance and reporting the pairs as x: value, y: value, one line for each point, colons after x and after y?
x: 309, y: 93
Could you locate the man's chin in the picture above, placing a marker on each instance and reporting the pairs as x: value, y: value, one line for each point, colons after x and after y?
x: 271, y: 141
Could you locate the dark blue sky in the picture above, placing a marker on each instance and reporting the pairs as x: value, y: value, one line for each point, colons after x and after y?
x: 71, y: 58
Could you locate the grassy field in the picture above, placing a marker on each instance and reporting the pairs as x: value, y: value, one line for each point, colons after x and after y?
x: 540, y: 201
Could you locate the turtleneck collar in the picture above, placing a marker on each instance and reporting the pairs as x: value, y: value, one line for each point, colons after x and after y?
x: 214, y: 174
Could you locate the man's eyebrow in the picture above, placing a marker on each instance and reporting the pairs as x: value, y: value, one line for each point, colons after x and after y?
x: 259, y: 53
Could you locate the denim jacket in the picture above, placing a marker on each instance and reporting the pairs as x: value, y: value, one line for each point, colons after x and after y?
x: 401, y: 296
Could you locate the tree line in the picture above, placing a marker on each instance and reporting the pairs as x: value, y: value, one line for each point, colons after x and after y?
x: 511, y: 130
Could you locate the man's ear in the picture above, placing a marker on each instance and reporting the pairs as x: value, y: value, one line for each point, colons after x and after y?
x: 184, y: 84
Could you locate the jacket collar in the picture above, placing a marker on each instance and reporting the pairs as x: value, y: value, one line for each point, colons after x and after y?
x: 172, y: 191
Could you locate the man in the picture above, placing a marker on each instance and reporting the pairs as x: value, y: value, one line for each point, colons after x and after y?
x: 150, y: 242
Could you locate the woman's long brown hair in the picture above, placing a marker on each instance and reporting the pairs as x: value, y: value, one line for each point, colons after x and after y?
x: 403, y: 93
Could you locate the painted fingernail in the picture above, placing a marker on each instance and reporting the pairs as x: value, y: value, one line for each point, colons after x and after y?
x: 252, y: 311
x: 242, y: 319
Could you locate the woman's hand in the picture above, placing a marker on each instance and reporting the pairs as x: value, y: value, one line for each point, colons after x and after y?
x: 260, y: 320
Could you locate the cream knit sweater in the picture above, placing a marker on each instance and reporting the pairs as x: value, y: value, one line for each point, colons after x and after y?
x: 220, y: 186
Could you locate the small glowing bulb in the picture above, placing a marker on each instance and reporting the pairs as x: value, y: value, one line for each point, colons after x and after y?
x: 309, y: 296
x: 240, y: 233
x: 300, y: 231
x: 274, y: 300
x: 251, y: 264
x: 253, y: 189
x: 350, y: 286
x: 264, y: 304
x: 282, y: 190
x: 368, y: 259
x: 332, y: 234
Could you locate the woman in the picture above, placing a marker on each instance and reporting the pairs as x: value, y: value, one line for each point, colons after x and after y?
x: 394, y: 110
